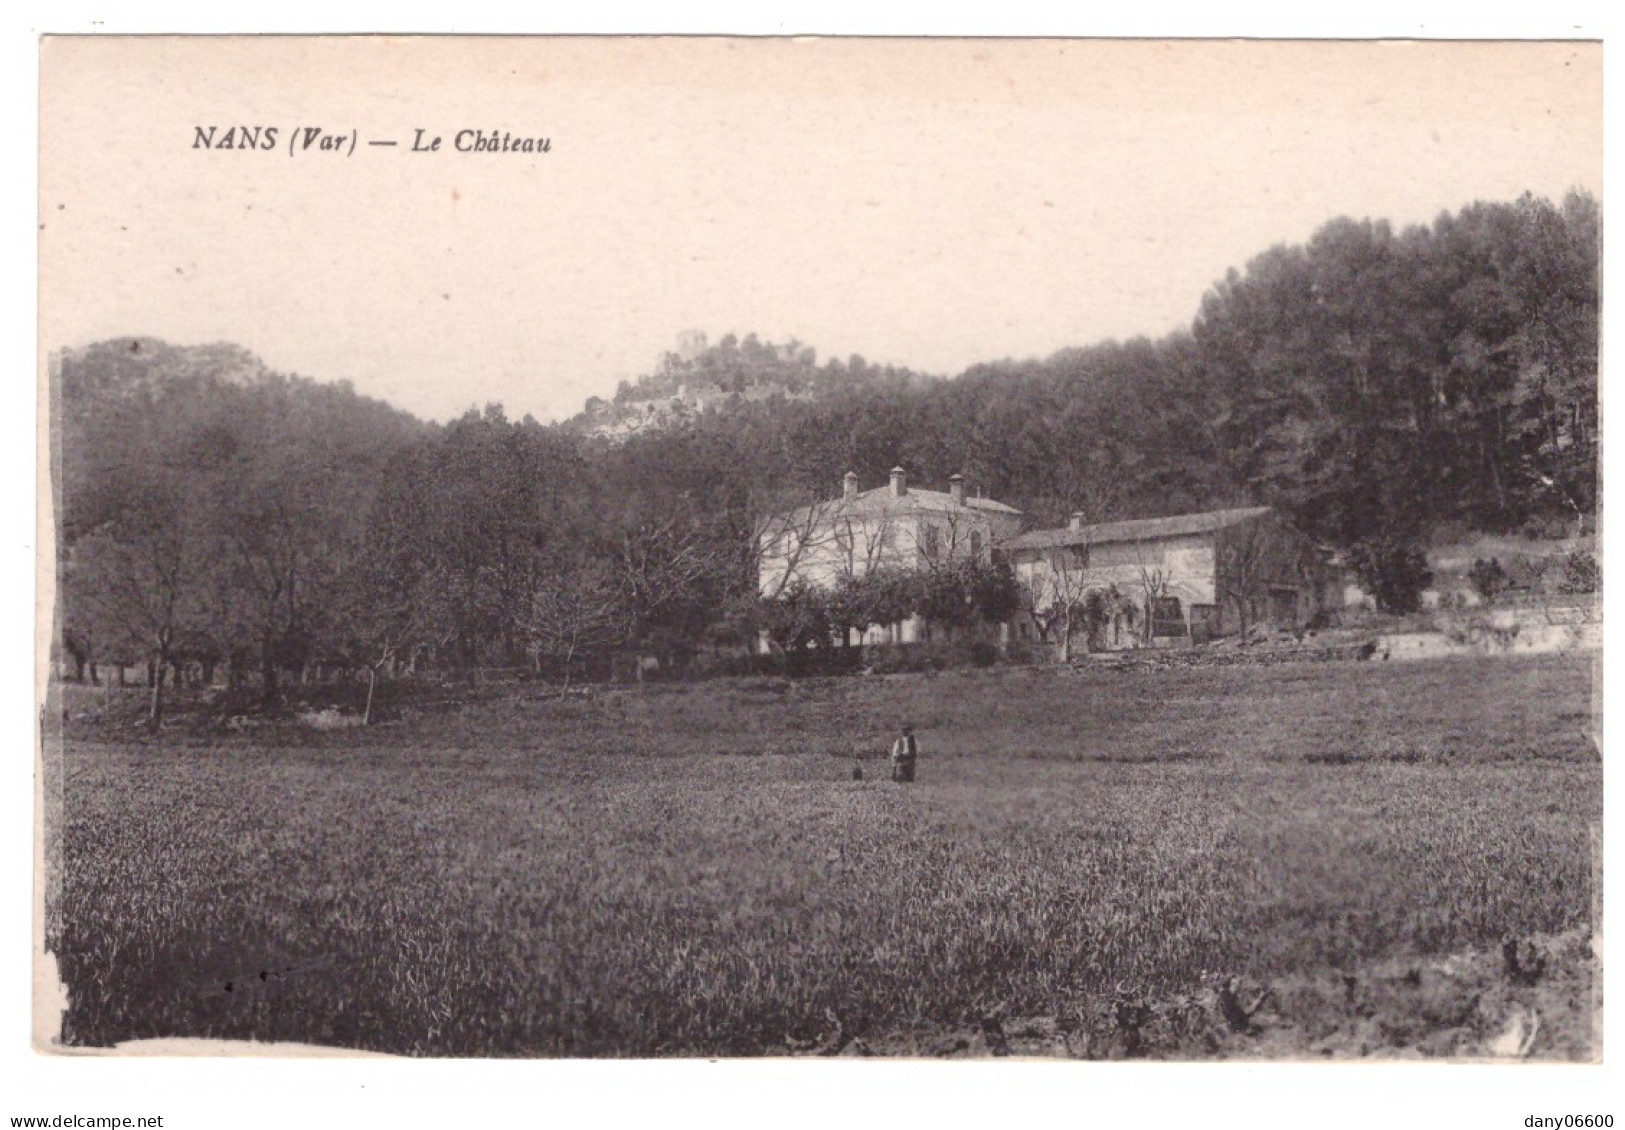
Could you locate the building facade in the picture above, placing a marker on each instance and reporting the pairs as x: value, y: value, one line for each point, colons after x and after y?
x: 1163, y: 581
x: 895, y: 526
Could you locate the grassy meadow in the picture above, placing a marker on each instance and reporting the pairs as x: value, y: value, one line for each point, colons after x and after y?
x: 694, y: 870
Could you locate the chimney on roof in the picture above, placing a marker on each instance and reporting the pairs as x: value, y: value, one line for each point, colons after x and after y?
x: 956, y: 488
x: 899, y: 482
x: 1076, y: 521
x: 849, y: 485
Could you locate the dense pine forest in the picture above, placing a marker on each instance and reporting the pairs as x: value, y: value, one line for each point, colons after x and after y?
x: 1378, y: 386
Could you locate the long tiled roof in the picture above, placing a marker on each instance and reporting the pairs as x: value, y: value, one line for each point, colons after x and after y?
x: 1140, y: 529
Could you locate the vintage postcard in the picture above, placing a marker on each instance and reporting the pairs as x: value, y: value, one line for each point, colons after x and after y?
x: 708, y: 547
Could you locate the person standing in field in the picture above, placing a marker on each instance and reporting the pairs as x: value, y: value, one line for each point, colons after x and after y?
x: 904, y: 752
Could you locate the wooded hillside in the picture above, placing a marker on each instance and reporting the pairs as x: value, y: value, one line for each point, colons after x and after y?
x: 1375, y: 385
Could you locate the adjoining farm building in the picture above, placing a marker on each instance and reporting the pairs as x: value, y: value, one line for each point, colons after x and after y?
x: 895, y: 526
x: 1158, y: 581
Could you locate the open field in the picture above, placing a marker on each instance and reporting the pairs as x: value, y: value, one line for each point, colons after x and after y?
x: 693, y: 870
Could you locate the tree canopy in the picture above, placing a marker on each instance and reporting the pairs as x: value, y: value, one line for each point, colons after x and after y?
x: 1372, y: 384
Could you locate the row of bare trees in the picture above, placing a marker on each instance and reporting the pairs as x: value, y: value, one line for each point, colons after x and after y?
x: 205, y: 508
x: 214, y: 515
x: 217, y: 515
x: 1369, y: 384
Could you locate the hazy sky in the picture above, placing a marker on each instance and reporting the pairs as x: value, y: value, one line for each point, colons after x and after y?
x: 928, y: 203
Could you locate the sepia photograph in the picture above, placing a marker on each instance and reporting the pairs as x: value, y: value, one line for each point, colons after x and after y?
x: 722, y: 548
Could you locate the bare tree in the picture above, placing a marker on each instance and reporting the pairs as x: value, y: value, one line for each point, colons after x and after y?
x: 1155, y: 584
x: 786, y: 537
x: 862, y: 546
x: 141, y: 587
x: 1053, y: 596
x: 1243, y: 556
x: 953, y: 540
x: 575, y: 611
x: 388, y: 606
x: 661, y: 562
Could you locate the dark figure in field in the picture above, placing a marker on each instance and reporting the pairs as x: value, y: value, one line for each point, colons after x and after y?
x: 904, y: 751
